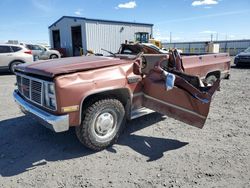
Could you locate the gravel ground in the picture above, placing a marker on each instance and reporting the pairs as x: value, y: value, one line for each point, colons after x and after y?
x: 154, y: 151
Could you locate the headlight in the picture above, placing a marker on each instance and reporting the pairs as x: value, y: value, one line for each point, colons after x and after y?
x: 50, y: 99
x: 51, y: 89
x: 52, y: 102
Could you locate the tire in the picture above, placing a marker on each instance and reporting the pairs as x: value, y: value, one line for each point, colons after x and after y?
x: 12, y: 66
x: 53, y: 56
x: 103, y: 121
x: 211, y: 79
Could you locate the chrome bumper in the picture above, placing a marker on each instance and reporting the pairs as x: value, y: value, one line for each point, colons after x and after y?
x: 53, y: 122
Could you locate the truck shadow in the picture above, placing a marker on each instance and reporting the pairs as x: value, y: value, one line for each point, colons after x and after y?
x: 240, y: 67
x: 5, y: 73
x: 25, y: 145
x: 149, y: 146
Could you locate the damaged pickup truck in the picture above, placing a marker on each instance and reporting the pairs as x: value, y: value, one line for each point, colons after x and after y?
x: 96, y: 95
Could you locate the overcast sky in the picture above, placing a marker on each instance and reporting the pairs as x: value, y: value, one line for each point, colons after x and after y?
x: 187, y: 20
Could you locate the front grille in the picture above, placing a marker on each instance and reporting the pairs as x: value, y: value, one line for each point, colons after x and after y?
x: 36, y: 92
x: 30, y: 88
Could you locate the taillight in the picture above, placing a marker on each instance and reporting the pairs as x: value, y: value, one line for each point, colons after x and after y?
x: 28, y: 52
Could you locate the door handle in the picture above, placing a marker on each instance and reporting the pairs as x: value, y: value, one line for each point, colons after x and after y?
x: 9, y: 55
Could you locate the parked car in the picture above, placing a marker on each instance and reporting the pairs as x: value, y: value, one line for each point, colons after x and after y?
x: 12, y: 55
x: 42, y: 53
x: 243, y: 58
x: 96, y: 95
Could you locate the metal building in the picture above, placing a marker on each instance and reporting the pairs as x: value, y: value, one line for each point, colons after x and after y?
x: 75, y: 33
x: 233, y: 47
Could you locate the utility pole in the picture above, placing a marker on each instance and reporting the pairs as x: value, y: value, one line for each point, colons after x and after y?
x: 217, y: 36
x: 170, y: 38
x: 211, y: 37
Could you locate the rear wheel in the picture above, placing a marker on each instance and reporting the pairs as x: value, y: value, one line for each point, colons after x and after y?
x: 102, y: 124
x: 13, y: 65
x: 211, y: 79
x: 53, y: 56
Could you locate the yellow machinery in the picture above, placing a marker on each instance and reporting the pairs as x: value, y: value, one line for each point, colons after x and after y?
x: 156, y: 42
x: 144, y: 37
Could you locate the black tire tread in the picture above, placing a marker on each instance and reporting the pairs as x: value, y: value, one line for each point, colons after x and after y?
x: 12, y: 64
x: 82, y: 130
x: 53, y: 55
x: 211, y: 78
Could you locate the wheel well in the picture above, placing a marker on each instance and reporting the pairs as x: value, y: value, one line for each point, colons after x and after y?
x: 123, y: 95
x: 17, y: 60
x: 215, y: 73
x: 53, y: 54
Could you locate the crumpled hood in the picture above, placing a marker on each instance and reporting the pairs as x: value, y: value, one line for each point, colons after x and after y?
x: 51, y: 68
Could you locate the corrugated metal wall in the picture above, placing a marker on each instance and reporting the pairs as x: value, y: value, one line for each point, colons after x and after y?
x: 64, y: 26
x: 97, y: 34
x: 110, y: 35
x: 233, y: 47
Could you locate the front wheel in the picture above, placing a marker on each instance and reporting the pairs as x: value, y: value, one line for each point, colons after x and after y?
x: 13, y: 65
x: 102, y: 123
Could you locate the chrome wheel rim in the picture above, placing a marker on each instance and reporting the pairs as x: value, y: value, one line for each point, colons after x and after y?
x: 105, y: 124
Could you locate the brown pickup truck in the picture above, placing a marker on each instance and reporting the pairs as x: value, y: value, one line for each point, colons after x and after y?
x: 96, y: 95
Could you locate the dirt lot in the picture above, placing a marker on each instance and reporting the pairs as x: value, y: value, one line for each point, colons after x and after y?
x: 154, y: 151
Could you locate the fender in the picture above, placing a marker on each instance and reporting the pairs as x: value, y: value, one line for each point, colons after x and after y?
x: 104, y: 91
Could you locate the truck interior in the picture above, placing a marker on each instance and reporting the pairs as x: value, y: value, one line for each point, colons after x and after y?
x: 168, y: 90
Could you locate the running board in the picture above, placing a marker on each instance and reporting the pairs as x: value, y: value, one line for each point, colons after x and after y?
x: 140, y: 112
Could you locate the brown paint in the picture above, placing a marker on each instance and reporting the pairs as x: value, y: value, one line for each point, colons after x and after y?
x: 79, y: 77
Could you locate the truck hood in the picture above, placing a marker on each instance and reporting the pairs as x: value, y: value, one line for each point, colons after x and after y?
x: 51, y: 68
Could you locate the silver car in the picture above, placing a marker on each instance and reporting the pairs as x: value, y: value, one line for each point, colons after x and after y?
x: 12, y: 55
x: 42, y: 53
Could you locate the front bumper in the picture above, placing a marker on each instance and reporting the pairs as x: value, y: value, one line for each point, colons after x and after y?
x: 53, y: 122
x: 239, y: 61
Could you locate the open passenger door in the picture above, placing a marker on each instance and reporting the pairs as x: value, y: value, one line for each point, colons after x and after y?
x: 185, y: 100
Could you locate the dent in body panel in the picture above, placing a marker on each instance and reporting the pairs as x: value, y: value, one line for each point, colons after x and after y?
x: 73, y: 89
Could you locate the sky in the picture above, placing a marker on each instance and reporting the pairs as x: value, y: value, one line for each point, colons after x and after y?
x: 186, y: 20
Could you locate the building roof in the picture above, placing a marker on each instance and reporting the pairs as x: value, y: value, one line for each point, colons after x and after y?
x: 100, y: 20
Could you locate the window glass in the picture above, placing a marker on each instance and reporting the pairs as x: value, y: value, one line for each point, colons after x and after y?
x: 16, y: 48
x: 42, y: 48
x: 36, y: 47
x: 5, y: 49
x: 29, y: 46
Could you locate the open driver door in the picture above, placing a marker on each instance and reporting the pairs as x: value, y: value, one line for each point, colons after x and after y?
x: 176, y: 95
